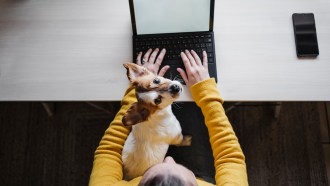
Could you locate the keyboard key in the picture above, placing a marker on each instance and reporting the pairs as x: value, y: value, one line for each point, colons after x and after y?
x: 208, y: 40
x: 209, y: 47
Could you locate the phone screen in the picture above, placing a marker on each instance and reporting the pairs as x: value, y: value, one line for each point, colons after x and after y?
x: 305, y: 35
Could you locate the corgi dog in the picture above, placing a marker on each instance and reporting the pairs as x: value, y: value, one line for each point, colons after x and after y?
x: 154, y: 126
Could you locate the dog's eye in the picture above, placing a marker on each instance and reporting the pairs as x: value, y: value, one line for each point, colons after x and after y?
x: 156, y: 81
x: 158, y: 100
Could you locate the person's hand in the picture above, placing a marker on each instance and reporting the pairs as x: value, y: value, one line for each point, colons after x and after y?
x: 196, y: 69
x: 150, y: 62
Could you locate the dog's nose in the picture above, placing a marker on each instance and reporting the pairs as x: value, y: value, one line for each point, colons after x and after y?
x: 175, y: 89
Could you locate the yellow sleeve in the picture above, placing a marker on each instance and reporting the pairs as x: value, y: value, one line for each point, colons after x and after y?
x: 229, y: 160
x: 107, y: 165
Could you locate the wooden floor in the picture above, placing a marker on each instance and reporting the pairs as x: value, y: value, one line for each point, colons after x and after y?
x: 39, y: 150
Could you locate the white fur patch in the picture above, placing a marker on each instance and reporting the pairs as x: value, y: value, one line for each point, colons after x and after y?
x: 148, y: 97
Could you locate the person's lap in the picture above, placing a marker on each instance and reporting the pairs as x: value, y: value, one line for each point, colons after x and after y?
x: 197, y: 157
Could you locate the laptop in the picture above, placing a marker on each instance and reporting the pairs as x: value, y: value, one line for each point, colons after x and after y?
x: 175, y: 25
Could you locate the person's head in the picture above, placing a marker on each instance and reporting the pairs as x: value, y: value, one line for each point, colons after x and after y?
x: 168, y: 173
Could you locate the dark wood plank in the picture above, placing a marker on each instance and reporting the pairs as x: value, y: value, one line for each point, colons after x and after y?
x: 13, y: 127
x: 324, y: 126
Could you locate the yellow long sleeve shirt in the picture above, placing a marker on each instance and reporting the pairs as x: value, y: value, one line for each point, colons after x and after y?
x: 229, y: 161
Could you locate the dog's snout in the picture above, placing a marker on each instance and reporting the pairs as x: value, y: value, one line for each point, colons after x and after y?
x: 175, y: 89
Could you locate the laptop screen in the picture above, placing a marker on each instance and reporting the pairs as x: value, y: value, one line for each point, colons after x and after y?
x: 171, y: 16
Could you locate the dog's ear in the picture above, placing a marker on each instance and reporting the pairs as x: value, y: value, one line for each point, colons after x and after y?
x: 135, y: 114
x: 134, y: 71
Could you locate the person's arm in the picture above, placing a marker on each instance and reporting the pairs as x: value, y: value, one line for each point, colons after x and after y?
x: 229, y: 160
x: 107, y: 165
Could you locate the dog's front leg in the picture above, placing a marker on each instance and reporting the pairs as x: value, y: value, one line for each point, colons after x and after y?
x: 182, y: 140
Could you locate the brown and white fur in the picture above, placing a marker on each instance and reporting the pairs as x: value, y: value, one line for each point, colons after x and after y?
x: 154, y: 125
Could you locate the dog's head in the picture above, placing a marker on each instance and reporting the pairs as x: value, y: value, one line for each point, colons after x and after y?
x: 152, y: 92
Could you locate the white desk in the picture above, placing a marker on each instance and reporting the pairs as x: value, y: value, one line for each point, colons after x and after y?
x: 74, y: 50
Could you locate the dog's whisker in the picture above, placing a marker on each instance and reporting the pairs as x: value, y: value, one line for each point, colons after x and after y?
x: 171, y: 76
x: 175, y: 104
x: 177, y: 78
x: 180, y: 80
x: 179, y: 103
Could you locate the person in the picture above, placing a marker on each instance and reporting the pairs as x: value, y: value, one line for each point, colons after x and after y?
x: 229, y: 160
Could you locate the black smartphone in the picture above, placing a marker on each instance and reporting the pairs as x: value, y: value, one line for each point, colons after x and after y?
x: 305, y: 34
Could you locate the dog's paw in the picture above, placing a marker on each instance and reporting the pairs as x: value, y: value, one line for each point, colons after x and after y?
x: 186, y: 140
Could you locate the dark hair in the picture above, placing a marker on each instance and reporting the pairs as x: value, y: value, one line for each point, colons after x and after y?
x: 163, y: 180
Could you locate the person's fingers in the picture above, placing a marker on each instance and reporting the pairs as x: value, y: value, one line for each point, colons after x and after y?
x: 160, y: 57
x: 153, y: 56
x: 196, y: 57
x: 163, y: 70
x: 186, y: 62
x: 183, y: 75
x: 138, y: 58
x: 205, y: 62
x: 190, y: 57
x: 146, y: 55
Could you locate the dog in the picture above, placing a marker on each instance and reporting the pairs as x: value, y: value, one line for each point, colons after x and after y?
x: 154, y: 126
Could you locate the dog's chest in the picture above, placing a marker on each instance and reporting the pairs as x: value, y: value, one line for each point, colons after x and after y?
x: 152, y: 138
x: 157, y: 130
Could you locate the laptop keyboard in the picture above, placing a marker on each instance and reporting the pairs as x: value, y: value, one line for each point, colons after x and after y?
x: 174, y: 45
